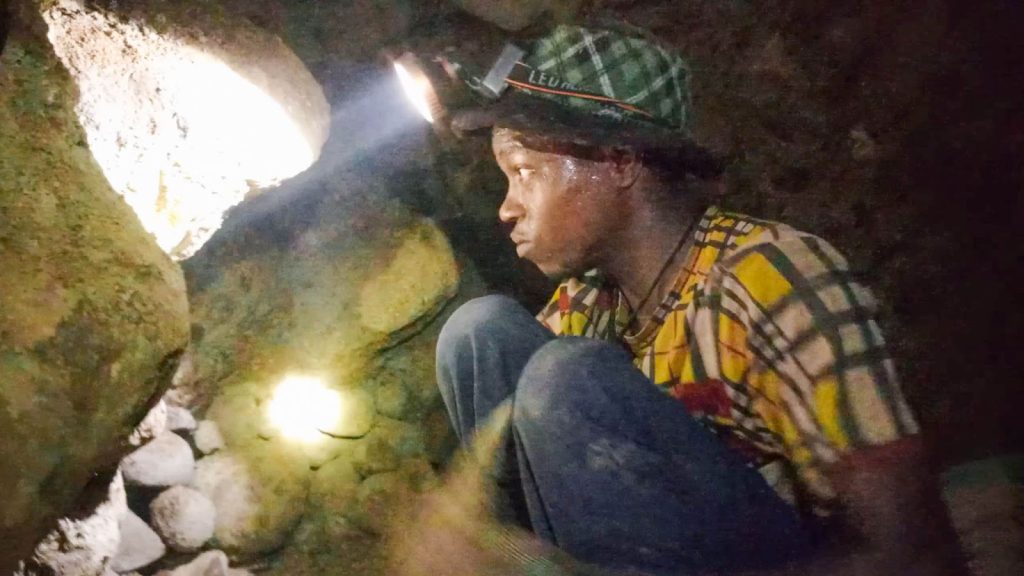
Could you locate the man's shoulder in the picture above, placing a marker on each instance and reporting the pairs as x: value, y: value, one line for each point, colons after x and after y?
x: 739, y: 235
x: 730, y: 230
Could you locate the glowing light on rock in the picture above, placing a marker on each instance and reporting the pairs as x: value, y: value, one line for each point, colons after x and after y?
x: 302, y: 407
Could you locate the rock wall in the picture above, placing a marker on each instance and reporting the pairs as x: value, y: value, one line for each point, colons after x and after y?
x: 93, y: 315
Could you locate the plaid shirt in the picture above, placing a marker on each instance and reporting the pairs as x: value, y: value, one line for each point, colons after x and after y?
x: 768, y: 340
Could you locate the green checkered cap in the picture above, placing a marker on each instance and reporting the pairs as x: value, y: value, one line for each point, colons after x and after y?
x: 608, y: 73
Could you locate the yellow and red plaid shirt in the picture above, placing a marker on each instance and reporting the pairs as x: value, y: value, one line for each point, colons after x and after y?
x: 768, y: 340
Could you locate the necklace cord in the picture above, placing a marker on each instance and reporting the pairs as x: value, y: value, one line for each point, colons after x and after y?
x: 661, y: 273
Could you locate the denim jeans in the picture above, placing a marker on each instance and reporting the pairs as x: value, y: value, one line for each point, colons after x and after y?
x: 610, y: 469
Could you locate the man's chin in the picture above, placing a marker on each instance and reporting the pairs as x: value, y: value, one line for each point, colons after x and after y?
x: 555, y: 270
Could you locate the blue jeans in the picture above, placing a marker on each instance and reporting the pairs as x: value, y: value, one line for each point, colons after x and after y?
x: 611, y: 470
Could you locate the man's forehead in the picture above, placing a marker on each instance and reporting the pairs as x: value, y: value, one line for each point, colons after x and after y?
x: 506, y: 140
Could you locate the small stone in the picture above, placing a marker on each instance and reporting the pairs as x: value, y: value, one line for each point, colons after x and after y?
x: 166, y: 461
x: 152, y: 426
x: 140, y: 545
x: 207, y: 437
x: 179, y: 418
x: 184, y: 517
x: 210, y: 563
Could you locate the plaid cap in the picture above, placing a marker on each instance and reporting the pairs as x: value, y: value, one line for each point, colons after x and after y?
x: 609, y: 86
x: 607, y: 73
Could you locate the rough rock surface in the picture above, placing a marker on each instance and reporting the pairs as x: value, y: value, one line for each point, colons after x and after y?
x: 153, y: 425
x: 357, y: 415
x: 92, y: 313
x: 82, y: 547
x: 517, y: 14
x: 178, y: 159
x: 183, y: 517
x: 986, y: 501
x: 421, y: 275
x: 258, y: 496
x: 140, y: 546
x: 180, y: 419
x: 165, y: 461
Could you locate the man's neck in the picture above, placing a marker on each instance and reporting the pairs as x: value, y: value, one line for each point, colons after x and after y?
x: 652, y: 241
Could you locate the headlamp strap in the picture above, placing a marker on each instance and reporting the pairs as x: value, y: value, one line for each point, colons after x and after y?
x: 526, y: 77
x: 510, y: 70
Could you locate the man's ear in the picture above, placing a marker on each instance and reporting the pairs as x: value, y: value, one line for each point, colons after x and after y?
x: 625, y: 165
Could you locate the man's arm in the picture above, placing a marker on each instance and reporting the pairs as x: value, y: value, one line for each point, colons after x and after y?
x: 891, y: 504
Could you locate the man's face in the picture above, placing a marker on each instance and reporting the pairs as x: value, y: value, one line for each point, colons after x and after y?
x: 563, y: 209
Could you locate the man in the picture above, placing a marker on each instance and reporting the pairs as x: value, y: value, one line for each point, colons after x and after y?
x: 706, y: 392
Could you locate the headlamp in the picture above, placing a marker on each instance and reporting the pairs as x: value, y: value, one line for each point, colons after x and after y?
x: 418, y: 88
x: 439, y: 84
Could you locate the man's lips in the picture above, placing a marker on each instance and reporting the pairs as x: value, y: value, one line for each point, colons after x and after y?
x: 521, y: 243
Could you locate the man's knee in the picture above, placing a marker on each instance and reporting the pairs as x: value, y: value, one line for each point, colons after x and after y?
x: 483, y: 315
x: 562, y: 377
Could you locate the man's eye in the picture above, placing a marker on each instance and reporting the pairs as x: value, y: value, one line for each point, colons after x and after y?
x: 524, y: 172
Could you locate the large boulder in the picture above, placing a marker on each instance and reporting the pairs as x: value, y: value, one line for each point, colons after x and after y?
x: 93, y: 315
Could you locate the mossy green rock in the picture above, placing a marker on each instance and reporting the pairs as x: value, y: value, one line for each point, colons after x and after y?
x: 92, y: 313
x: 259, y: 496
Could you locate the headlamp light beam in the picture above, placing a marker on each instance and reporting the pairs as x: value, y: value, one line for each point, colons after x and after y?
x: 417, y: 87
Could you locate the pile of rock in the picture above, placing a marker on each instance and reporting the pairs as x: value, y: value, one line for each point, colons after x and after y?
x: 156, y: 505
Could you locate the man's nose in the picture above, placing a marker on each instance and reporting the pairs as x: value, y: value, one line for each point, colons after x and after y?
x: 511, y: 209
